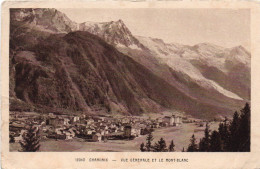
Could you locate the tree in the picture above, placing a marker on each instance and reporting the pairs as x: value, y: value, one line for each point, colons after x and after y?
x: 193, y: 147
x: 244, y: 129
x: 231, y: 137
x: 149, y: 140
x: 171, y: 147
x: 204, y: 142
x: 215, y: 142
x: 30, y: 140
x: 202, y: 146
x: 11, y: 140
x: 160, y: 146
x: 224, y: 134
x: 207, y: 137
x: 234, y: 139
x: 142, y: 147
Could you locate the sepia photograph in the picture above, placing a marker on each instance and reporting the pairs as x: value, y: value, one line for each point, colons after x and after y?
x: 129, y: 80
x: 120, y: 84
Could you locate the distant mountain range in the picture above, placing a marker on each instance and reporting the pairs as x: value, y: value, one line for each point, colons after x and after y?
x: 60, y: 65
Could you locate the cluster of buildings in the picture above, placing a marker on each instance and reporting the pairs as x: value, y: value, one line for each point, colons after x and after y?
x: 90, y: 128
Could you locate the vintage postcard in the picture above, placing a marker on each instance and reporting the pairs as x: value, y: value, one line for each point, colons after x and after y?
x: 130, y: 84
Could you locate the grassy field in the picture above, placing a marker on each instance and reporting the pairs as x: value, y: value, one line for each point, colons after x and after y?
x: 181, y: 136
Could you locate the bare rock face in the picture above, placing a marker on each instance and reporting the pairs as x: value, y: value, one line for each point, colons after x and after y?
x: 115, y: 33
x: 48, y: 19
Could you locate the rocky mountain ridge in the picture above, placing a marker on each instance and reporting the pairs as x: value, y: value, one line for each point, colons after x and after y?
x: 51, y: 51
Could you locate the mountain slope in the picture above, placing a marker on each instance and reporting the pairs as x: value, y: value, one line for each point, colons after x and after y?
x: 43, y: 19
x: 208, y: 65
x: 80, y: 72
x: 192, y: 61
x: 53, y: 67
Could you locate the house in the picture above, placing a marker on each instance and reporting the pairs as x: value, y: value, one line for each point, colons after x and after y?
x: 104, y: 127
x: 16, y: 126
x: 155, y: 125
x: 51, y: 115
x: 127, y: 131
x: 164, y: 124
x: 97, y: 137
x: 58, y: 131
x: 173, y: 120
x: 125, y: 120
x: 102, y: 118
x: 159, y: 120
x: 19, y: 138
x: 90, y: 121
x: 75, y: 119
x: 167, y: 119
x: 121, y: 128
x: 68, y: 135
x: 113, y: 125
x: 72, y: 131
x: 102, y: 132
x: 135, y: 132
x: 44, y: 136
x: 61, y: 136
x: 177, y: 121
x: 55, y: 121
x: 114, y: 130
x: 48, y: 128
x: 97, y: 119
x: 66, y: 121
x: 89, y: 132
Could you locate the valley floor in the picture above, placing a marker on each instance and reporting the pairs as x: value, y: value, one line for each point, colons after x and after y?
x: 181, y: 136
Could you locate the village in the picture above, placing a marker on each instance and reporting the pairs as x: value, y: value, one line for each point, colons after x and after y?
x: 90, y: 128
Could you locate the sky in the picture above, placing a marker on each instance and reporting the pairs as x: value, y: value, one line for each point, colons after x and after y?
x: 223, y: 27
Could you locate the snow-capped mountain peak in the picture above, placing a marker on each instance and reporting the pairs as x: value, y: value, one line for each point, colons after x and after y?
x: 239, y: 55
x: 181, y: 59
x: 113, y: 32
